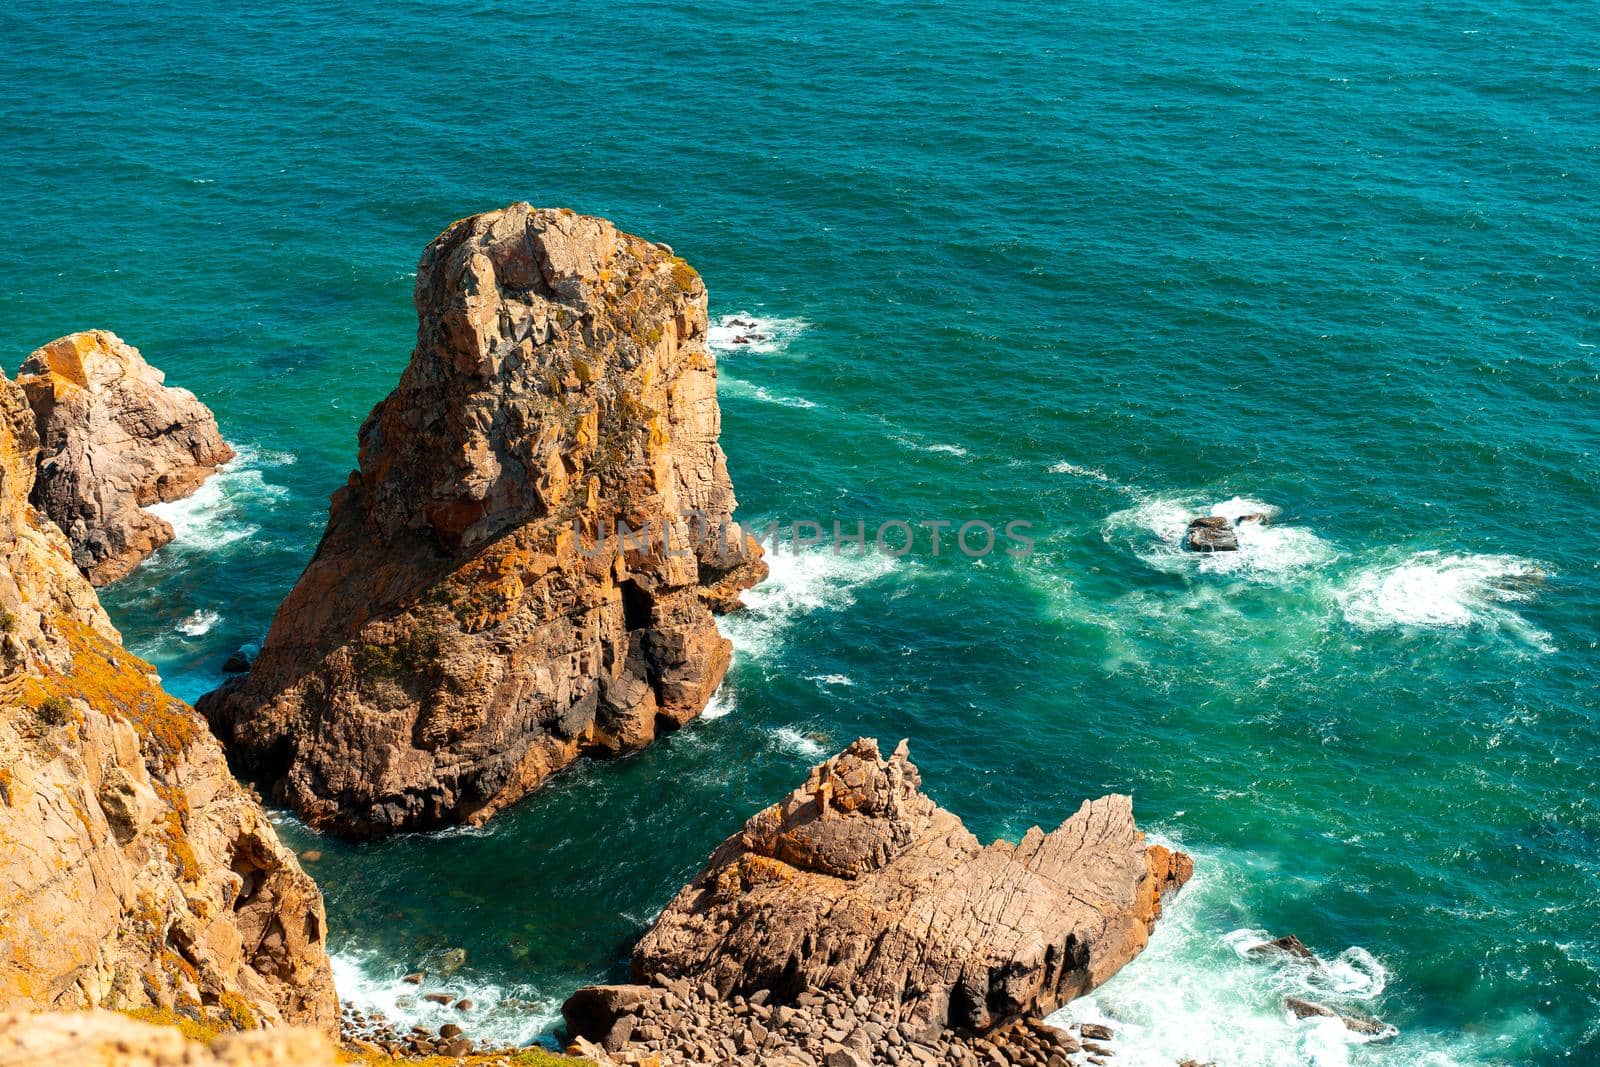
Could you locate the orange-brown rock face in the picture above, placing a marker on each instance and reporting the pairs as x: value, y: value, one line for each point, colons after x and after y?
x: 858, y: 884
x: 114, y: 438
x: 454, y: 641
x: 134, y: 871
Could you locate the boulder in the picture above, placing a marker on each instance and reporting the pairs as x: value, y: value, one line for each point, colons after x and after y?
x: 472, y: 622
x: 135, y: 872
x: 114, y: 439
x: 1211, y: 533
x: 858, y: 883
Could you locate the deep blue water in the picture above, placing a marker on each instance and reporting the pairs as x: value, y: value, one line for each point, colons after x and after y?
x: 1094, y: 267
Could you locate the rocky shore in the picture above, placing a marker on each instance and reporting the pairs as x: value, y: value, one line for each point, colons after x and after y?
x: 471, y: 623
x: 465, y: 630
x: 856, y: 922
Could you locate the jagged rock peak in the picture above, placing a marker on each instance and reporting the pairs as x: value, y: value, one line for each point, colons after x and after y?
x: 114, y: 439
x: 471, y: 623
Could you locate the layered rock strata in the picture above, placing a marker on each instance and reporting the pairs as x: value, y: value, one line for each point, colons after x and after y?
x: 134, y: 871
x: 114, y: 439
x: 858, y: 889
x: 471, y: 622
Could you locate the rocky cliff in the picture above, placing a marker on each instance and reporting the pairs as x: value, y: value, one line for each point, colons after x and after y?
x: 875, y: 921
x: 134, y: 871
x: 113, y: 439
x: 464, y: 629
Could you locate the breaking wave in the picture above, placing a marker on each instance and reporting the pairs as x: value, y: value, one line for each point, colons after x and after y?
x: 744, y: 332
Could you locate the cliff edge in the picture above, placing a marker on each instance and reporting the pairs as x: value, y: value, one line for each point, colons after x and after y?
x: 134, y: 871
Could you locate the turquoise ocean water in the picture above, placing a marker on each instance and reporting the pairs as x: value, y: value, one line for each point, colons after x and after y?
x: 1099, y: 267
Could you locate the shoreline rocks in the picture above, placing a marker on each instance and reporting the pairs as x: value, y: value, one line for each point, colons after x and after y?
x: 134, y: 871
x: 858, y: 890
x: 470, y: 624
x: 114, y: 439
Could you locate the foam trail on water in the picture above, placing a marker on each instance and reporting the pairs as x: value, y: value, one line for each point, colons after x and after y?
x: 1094, y: 474
x: 745, y: 332
x: 908, y: 441
x: 1447, y: 590
x: 500, y: 1014
x: 799, y: 582
x: 728, y: 385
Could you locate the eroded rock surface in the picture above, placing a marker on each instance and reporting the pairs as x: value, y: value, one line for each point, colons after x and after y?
x: 857, y: 886
x: 134, y: 871
x: 106, y: 1039
x: 114, y: 439
x: 463, y: 632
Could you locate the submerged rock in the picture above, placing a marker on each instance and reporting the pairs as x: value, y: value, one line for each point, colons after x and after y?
x: 1353, y: 1021
x: 471, y: 623
x: 1211, y: 533
x: 1289, y: 945
x: 114, y: 439
x: 858, y: 889
x: 134, y: 871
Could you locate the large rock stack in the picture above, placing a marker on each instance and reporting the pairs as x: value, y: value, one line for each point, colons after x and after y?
x: 465, y: 630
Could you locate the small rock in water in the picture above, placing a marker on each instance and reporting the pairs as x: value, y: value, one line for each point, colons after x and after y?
x: 439, y: 998
x: 1353, y: 1021
x: 464, y: 1004
x: 454, y: 959
x: 1211, y: 533
x: 310, y: 856
x: 1289, y: 945
x: 1096, y: 1032
x: 415, y: 977
x: 449, y: 1030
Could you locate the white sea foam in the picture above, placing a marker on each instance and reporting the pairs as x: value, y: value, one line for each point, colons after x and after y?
x: 745, y: 332
x: 1437, y: 589
x: 501, y: 1014
x: 199, y: 623
x: 799, y: 582
x: 721, y: 703
x: 806, y: 746
x: 831, y: 679
x: 1267, y: 551
x: 1092, y: 473
x: 731, y: 386
x: 217, y: 514
x: 1197, y: 993
x: 916, y: 445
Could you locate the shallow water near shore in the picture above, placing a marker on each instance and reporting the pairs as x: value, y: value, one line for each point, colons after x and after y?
x: 1100, y: 269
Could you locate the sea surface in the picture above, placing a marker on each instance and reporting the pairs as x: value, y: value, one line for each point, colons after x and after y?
x: 1095, y: 267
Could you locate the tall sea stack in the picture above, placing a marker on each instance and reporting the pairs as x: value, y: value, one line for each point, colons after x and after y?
x: 464, y: 629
